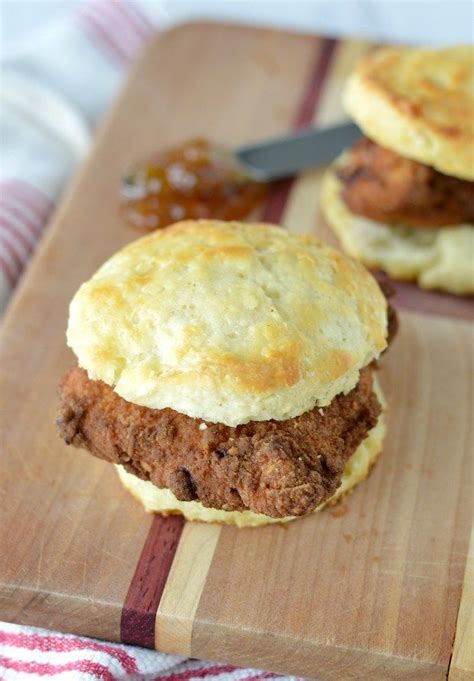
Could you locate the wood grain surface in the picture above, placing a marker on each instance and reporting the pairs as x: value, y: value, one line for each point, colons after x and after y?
x: 376, y: 588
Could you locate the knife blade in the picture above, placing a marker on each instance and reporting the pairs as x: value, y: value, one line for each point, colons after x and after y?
x: 288, y: 155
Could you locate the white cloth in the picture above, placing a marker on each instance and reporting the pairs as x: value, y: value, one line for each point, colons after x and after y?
x: 54, y: 90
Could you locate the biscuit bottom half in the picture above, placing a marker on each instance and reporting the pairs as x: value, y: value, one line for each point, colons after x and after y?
x: 156, y: 500
x: 436, y: 258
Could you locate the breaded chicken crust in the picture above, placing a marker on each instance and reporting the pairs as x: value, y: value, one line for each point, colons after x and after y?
x: 386, y: 187
x: 278, y: 468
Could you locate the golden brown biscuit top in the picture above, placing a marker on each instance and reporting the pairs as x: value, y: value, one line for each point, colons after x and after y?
x: 228, y: 322
x: 420, y: 103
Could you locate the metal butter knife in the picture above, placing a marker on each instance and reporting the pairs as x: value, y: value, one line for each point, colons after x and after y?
x: 288, y: 155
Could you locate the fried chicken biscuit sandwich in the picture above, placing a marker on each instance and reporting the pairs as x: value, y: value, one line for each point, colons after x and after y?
x: 228, y: 370
x: 402, y: 198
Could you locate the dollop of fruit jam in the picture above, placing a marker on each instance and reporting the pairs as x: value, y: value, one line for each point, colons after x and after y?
x: 192, y: 181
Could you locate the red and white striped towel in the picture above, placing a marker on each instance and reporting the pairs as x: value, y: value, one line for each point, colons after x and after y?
x: 30, y: 653
x: 53, y: 92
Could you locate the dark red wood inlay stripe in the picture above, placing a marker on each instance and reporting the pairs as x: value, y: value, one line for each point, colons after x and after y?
x: 137, y: 626
x: 280, y: 191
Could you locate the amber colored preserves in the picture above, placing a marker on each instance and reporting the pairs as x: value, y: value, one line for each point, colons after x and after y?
x: 194, y: 180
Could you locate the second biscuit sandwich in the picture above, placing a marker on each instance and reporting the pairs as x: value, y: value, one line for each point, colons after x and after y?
x: 402, y: 198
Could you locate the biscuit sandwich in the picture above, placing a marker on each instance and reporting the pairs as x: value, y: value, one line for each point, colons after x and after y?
x: 402, y: 198
x: 227, y: 370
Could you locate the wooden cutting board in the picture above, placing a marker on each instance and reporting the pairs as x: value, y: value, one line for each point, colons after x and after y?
x: 380, y: 587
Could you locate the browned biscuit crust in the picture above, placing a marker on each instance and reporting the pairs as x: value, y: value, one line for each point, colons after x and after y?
x: 278, y: 468
x: 386, y: 187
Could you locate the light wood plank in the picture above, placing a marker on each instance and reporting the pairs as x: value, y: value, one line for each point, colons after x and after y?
x: 180, y: 599
x: 462, y: 663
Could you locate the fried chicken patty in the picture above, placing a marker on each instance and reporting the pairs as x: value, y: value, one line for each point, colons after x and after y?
x: 386, y: 187
x: 278, y: 468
